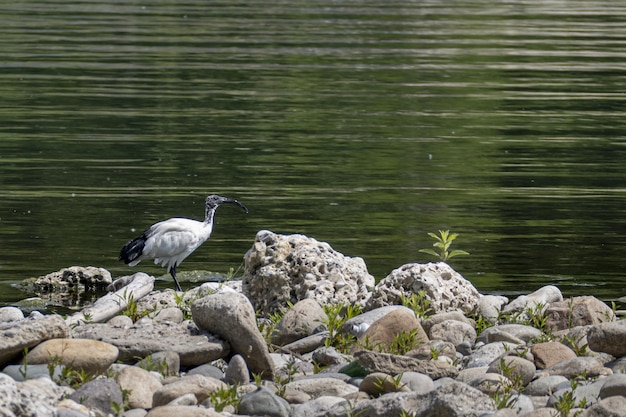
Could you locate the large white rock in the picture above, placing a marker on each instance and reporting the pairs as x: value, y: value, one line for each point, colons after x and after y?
x: 444, y: 287
x: 290, y: 268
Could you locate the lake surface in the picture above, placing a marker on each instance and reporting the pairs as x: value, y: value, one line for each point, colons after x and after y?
x: 366, y: 124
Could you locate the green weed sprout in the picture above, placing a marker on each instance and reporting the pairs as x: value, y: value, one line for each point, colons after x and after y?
x: 443, y: 242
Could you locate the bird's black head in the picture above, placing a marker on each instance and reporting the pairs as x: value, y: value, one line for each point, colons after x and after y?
x: 213, y: 201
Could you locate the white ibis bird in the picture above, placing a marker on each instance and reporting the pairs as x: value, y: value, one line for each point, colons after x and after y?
x: 169, y: 242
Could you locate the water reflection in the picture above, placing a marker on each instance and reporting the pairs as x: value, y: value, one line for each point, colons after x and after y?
x: 365, y: 124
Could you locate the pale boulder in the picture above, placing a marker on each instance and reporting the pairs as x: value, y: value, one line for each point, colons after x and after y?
x: 91, y: 356
x: 445, y: 288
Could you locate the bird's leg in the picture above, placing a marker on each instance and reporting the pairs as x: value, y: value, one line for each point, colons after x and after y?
x: 173, y: 273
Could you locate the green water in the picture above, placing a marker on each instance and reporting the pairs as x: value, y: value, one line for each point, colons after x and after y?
x: 365, y: 124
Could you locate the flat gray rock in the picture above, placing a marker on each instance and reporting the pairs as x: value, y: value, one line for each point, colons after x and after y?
x: 139, y: 341
x: 19, y: 335
x: 396, y: 364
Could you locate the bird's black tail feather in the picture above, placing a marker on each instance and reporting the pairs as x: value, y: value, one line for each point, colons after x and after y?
x: 132, y: 249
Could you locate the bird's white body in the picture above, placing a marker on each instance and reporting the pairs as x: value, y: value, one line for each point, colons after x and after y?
x: 170, y: 241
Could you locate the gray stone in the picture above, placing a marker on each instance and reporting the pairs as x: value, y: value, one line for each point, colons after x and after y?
x: 170, y: 314
x: 121, y: 321
x: 237, y: 372
x: 198, y: 385
x: 306, y: 344
x: 452, y: 399
x: 326, y: 356
x: 32, y: 398
x: 207, y: 370
x: 319, y: 386
x: 99, y: 394
x: 10, y: 314
x: 444, y: 287
x: 140, y: 384
x: 182, y: 411
x: 484, y: 355
x: 31, y: 371
x: 428, y: 323
x: 318, y: 406
x: 472, y: 376
x: 396, y: 364
x: 518, y: 368
x: 546, y: 385
x: 490, y: 306
x: 290, y: 268
x: 609, y: 338
x: 583, y: 365
x: 587, y: 392
x: 453, y: 331
x: 263, y: 402
x: 298, y: 322
x: 166, y: 362
x: 231, y: 316
x: 517, y: 331
x: 417, y: 382
x: 613, y: 385
x: 542, y: 297
x: 193, y: 346
x: 608, y: 407
x: 24, y: 334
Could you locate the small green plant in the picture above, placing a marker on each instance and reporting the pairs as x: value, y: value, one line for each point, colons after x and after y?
x: 150, y: 364
x: 132, y: 307
x: 118, y: 409
x: 576, y: 344
x: 567, y: 401
x: 266, y: 325
x: 404, y: 342
x: 481, y: 323
x: 537, y: 316
x: 258, y: 379
x: 419, y: 303
x: 75, y: 377
x: 389, y: 383
x: 442, y: 243
x: 281, y: 379
x: 507, y: 395
x: 24, y: 368
x: 336, y: 316
x: 224, y: 397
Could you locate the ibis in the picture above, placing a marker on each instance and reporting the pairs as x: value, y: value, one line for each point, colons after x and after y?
x: 170, y: 241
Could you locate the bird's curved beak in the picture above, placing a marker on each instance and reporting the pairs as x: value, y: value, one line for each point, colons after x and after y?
x: 235, y: 202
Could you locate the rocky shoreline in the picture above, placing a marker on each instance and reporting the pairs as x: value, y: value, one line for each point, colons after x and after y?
x: 308, y: 333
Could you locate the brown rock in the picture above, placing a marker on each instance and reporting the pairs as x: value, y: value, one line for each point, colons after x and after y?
x: 200, y: 386
x: 378, y: 383
x: 577, y: 311
x: 141, y: 385
x: 91, y: 356
x: 382, y: 332
x: 550, y: 353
